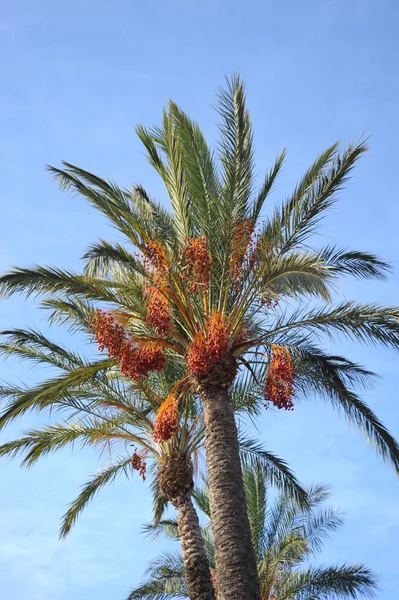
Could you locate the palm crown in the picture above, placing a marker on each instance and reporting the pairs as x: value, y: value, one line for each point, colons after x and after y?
x: 205, y: 284
x: 213, y: 289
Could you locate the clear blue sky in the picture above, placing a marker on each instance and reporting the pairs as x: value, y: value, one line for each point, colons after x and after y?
x: 75, y: 79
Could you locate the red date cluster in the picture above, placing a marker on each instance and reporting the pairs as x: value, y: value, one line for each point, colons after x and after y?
x: 197, y: 263
x: 279, y: 385
x: 166, y: 422
x: 208, y: 348
x: 139, y: 464
x: 135, y: 360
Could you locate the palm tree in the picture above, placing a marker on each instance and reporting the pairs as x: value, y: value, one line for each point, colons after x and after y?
x: 211, y: 287
x: 112, y: 412
x: 285, y: 538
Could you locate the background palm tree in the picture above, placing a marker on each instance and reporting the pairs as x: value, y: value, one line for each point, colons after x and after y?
x: 216, y: 290
x: 286, y: 539
x: 108, y: 411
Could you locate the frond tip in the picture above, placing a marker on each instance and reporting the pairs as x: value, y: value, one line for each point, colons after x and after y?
x: 88, y: 492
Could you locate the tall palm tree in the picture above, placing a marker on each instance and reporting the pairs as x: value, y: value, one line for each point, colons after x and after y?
x: 215, y: 289
x: 285, y: 538
x: 112, y: 412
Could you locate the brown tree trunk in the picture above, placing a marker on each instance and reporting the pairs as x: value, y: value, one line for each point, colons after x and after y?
x: 198, y: 577
x: 175, y: 475
x: 236, y: 571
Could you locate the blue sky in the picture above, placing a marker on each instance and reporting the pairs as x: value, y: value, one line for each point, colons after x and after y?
x: 76, y: 78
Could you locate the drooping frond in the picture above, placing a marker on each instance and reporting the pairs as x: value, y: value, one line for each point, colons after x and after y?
x: 94, y: 431
x: 32, y: 345
x: 362, y: 265
x: 106, y: 196
x: 42, y: 280
x: 48, y: 393
x: 329, y: 377
x: 90, y: 489
x: 296, y: 274
x: 276, y: 470
x: 103, y: 260
x: 72, y: 311
x: 368, y: 323
x: 165, y: 527
x: 201, y: 497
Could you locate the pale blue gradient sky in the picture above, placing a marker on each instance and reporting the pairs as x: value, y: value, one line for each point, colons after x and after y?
x: 75, y: 79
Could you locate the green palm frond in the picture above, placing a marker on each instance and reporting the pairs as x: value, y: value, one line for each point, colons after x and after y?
x: 341, y: 581
x: 267, y: 186
x: 369, y: 323
x: 297, y: 218
x: 90, y: 489
x: 165, y: 580
x: 317, y: 527
x: 72, y: 311
x: 42, y: 280
x: 329, y: 378
x: 47, y: 393
x: 256, y: 496
x: 201, y: 497
x: 40, y: 442
x: 165, y: 527
x: 32, y: 345
x: 200, y: 175
x: 276, y: 470
x: 106, y: 196
x: 236, y: 150
x: 297, y: 274
x: 362, y: 265
x: 159, y: 502
x: 104, y: 259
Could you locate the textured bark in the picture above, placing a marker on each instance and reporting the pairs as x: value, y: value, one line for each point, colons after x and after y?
x: 198, y: 577
x: 237, y: 577
x: 175, y: 475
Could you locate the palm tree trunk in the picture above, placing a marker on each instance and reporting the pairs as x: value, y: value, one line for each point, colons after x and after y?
x: 175, y: 476
x: 198, y: 577
x: 236, y: 572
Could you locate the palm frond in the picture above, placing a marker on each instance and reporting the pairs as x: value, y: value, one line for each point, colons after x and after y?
x: 89, y: 490
x: 48, y: 393
x: 165, y: 579
x: 165, y: 527
x: 103, y: 259
x: 362, y: 265
x: 267, y: 186
x: 106, y: 196
x: 256, y: 497
x: 42, y: 280
x: 329, y: 379
x: 276, y: 470
x: 341, y: 581
x: 33, y: 345
x: 368, y: 323
x: 40, y: 442
x: 236, y: 151
x: 200, y: 176
x: 296, y: 219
